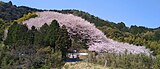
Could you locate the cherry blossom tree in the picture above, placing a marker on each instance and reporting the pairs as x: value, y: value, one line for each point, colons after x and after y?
x: 76, y: 26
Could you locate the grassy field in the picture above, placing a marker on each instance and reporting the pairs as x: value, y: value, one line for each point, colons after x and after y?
x: 82, y: 65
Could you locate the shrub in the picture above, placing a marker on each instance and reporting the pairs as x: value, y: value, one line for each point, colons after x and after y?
x: 124, y: 61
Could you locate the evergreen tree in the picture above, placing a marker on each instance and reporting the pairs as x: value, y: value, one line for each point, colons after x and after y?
x: 11, y: 34
x: 52, y: 33
x: 17, y: 34
x: 63, y: 42
x: 45, y: 34
x: 122, y: 27
x: 31, y: 35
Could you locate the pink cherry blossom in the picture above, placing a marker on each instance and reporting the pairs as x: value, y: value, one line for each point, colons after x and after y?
x: 77, y: 26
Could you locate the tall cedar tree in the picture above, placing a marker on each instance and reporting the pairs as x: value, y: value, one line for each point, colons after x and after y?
x: 43, y: 40
x: 16, y: 34
x: 63, y: 42
x: 52, y: 33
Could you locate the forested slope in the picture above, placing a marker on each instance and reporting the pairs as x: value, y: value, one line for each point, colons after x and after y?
x: 45, y: 45
x: 137, y: 35
x: 8, y: 11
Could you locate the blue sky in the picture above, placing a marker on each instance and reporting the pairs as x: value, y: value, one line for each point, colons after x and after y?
x: 131, y: 12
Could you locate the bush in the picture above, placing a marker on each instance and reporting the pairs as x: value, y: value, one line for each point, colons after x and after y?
x: 124, y: 61
x: 157, y: 62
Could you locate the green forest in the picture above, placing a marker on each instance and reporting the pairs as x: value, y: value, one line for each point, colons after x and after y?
x: 47, y: 43
x: 46, y: 47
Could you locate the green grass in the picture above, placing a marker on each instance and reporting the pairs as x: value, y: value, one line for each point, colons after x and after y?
x: 82, y: 65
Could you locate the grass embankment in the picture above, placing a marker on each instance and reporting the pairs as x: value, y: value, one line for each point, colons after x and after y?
x: 83, y: 65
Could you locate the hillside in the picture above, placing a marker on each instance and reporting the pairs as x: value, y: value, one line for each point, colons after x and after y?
x: 79, y: 27
x: 137, y: 35
x: 31, y: 38
x: 8, y: 11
